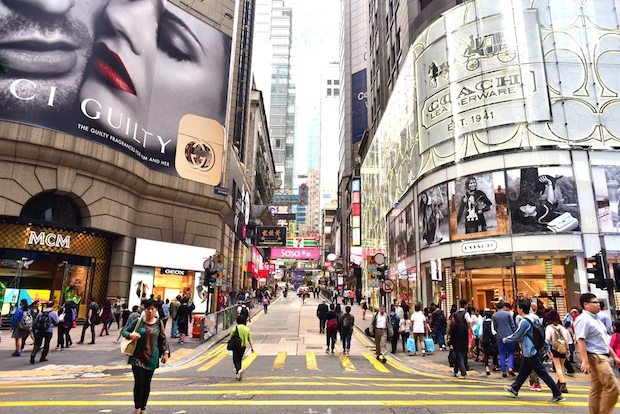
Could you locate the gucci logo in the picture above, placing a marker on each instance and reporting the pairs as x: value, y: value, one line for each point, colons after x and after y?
x: 200, y: 155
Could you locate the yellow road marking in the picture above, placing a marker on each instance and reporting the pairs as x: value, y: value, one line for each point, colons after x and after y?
x: 278, y: 363
x: 347, y: 364
x: 280, y: 403
x: 379, y: 366
x: 216, y: 360
x: 311, y: 361
x: 248, y: 360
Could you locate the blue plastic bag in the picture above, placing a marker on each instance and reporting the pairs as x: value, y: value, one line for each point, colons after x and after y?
x: 410, y: 345
x: 429, y: 345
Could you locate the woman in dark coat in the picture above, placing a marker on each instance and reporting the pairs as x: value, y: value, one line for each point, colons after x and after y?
x: 106, y: 317
x: 184, y: 316
x: 458, y: 343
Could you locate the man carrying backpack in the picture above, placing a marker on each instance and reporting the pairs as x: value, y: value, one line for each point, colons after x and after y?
x: 532, y: 337
x: 43, y: 327
x: 331, y: 328
x: 347, y: 321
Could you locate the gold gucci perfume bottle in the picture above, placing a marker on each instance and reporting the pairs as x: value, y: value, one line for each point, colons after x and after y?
x: 200, y: 149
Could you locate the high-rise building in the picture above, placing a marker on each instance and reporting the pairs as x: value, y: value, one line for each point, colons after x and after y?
x: 330, y: 102
x: 491, y: 168
x: 274, y: 31
x: 125, y: 177
x: 352, y: 118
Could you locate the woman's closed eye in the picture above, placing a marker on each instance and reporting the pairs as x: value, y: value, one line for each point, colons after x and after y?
x: 176, y: 39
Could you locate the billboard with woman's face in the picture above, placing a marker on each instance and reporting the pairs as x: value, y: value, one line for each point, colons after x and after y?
x: 143, y: 77
x: 433, y: 216
x: 543, y: 199
x: 478, y: 206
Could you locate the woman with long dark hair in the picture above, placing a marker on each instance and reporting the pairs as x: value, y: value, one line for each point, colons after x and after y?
x: 151, y: 348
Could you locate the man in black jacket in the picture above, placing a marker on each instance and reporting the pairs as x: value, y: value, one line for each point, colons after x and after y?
x: 321, y: 313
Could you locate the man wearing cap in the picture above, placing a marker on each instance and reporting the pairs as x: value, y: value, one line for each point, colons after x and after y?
x: 594, y: 349
x: 504, y: 326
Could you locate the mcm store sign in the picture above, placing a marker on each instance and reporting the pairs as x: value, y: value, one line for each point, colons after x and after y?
x: 41, y: 238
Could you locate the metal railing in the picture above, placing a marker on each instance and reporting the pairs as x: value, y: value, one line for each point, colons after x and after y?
x: 221, y: 320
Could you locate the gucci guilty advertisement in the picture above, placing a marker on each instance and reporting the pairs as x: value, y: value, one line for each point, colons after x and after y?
x: 143, y: 77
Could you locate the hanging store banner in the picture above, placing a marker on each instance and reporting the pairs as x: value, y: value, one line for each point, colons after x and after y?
x: 295, y: 253
x: 156, y: 91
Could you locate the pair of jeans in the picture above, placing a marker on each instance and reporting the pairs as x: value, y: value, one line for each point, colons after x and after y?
x: 331, y: 339
x: 238, y: 357
x: 41, y: 337
x: 141, y: 386
x: 346, y: 334
x: 534, y: 364
x: 404, y: 336
x: 87, y: 325
x: 174, y: 329
x: 460, y: 365
x: 506, y: 351
x: 440, y: 331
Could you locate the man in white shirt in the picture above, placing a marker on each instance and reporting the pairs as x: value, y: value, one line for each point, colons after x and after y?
x: 419, y: 328
x: 382, y: 326
x: 594, y: 349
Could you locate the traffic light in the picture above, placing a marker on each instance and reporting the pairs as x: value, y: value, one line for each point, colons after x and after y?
x: 596, y: 271
x: 382, y: 270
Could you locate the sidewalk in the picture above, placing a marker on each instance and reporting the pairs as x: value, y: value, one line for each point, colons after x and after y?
x: 437, y: 362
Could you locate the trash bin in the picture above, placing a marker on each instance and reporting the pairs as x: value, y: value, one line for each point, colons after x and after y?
x: 196, y: 326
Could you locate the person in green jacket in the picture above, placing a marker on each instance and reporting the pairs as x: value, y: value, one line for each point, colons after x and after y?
x: 151, y: 347
x: 246, y: 339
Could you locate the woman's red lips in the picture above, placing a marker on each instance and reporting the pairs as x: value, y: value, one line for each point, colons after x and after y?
x: 111, y: 68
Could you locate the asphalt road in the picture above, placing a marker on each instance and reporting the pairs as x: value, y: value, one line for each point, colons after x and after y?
x: 289, y: 373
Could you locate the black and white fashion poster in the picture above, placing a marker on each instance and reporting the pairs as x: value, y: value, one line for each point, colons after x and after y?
x: 145, y: 78
x: 606, y: 181
x: 478, y: 206
x: 433, y: 216
x: 543, y: 199
x: 398, y: 235
x: 411, y: 244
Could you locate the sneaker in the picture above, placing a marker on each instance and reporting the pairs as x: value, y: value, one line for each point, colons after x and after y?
x: 504, y: 375
x: 558, y: 399
x: 327, y: 350
x: 537, y: 388
x: 240, y: 374
x: 532, y: 387
x: 510, y: 391
x: 237, y: 376
x: 16, y: 354
x: 511, y: 373
x: 332, y: 351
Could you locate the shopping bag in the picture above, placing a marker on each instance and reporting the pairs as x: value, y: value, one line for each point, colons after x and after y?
x: 429, y: 345
x: 451, y: 358
x: 411, y: 345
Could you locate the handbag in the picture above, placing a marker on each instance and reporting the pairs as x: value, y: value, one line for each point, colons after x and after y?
x: 128, y: 345
x: 61, y: 318
x: 235, y: 341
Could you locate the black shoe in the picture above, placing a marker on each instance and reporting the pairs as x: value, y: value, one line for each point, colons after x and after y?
x: 91, y: 343
x: 80, y: 343
x: 32, y: 359
x: 43, y: 360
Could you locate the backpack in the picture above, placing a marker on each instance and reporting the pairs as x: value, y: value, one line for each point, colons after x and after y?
x: 347, y: 322
x: 559, y: 343
x: 461, y: 322
x: 395, y: 321
x: 439, y: 318
x: 43, y: 322
x: 538, y: 334
x: 25, y: 322
x: 332, y: 324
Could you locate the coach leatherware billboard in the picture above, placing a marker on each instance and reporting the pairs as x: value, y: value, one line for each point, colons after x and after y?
x: 122, y: 73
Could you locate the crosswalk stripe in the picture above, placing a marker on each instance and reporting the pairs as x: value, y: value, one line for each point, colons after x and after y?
x: 289, y: 403
x: 379, y: 366
x: 216, y: 360
x: 247, y: 361
x: 278, y: 363
x: 311, y: 361
x: 347, y: 364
